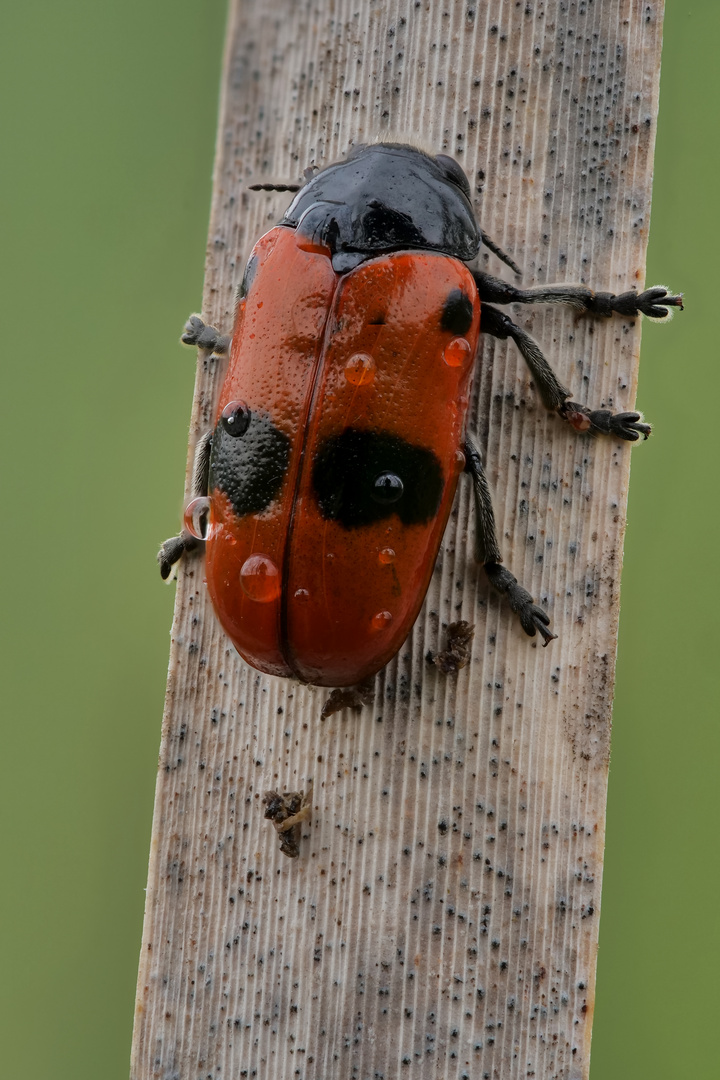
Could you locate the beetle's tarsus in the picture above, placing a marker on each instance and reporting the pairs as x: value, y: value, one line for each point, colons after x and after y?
x: 629, y: 426
x: 173, y: 550
x: 196, y: 332
x: 532, y: 617
x: 647, y: 302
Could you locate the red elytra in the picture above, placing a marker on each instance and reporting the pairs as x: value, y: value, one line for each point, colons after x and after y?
x: 317, y: 353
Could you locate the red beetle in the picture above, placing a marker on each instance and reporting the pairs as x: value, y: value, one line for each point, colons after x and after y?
x: 324, y: 489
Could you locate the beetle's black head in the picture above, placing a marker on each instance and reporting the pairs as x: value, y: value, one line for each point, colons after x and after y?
x: 387, y: 197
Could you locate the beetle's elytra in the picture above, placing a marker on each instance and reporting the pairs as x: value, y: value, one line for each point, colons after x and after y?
x: 323, y: 491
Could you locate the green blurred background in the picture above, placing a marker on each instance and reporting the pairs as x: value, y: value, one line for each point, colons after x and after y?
x: 108, y: 129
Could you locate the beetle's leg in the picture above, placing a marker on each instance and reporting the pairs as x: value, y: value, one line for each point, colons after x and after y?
x: 201, y: 465
x: 486, y: 544
x: 656, y: 303
x: 487, y: 552
x: 499, y: 325
x: 195, y: 332
x: 624, y: 425
x: 174, y: 548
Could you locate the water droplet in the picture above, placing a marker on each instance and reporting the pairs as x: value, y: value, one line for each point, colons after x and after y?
x: 260, y: 579
x: 457, y: 352
x: 195, y: 518
x: 381, y: 620
x: 460, y: 460
x: 386, y: 556
x: 302, y: 595
x: 388, y: 488
x: 235, y: 418
x: 360, y: 370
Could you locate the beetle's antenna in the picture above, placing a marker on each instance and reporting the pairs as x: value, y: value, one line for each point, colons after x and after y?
x: 499, y: 252
x: 274, y: 187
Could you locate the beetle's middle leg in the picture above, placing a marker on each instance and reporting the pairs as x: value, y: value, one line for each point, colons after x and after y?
x: 555, y: 396
x: 174, y: 548
x: 487, y: 552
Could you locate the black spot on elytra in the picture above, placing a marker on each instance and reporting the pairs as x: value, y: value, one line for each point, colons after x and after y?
x: 250, y: 469
x: 457, y: 314
x: 346, y: 469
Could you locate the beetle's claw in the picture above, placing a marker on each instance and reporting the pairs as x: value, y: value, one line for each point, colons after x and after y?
x: 535, y: 620
x: 647, y: 302
x: 624, y: 425
x: 629, y: 426
x: 541, y: 620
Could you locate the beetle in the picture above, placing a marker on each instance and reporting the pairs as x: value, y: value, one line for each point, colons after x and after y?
x: 324, y: 488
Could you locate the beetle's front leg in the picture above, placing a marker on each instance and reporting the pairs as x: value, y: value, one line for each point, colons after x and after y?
x: 655, y: 302
x: 487, y: 552
x: 174, y: 548
x: 555, y: 396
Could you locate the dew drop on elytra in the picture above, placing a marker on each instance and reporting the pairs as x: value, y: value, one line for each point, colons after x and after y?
x: 195, y: 518
x: 456, y: 352
x: 235, y: 418
x: 381, y: 620
x: 387, y: 555
x: 360, y: 370
x: 260, y: 579
x: 388, y: 488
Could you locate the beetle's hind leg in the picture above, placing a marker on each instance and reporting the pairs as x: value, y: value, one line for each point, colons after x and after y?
x: 532, y: 618
x: 623, y: 425
x: 174, y: 548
